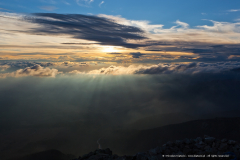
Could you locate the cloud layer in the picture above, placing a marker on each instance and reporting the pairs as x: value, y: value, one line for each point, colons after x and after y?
x: 35, y: 70
x: 51, y: 34
x: 117, y: 31
x: 67, y: 67
x: 4, y: 67
x: 190, y: 68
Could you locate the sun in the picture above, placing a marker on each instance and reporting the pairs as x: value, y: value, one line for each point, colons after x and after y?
x: 109, y: 49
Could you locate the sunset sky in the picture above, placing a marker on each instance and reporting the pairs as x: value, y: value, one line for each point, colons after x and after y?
x: 73, y: 71
x: 118, y: 34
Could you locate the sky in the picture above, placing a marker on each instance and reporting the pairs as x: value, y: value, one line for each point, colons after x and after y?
x: 146, y: 32
x: 94, y: 67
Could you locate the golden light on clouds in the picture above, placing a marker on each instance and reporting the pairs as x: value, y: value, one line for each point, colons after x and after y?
x: 19, y: 40
x: 110, y: 49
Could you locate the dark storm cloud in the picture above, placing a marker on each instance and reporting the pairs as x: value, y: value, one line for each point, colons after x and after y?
x: 93, y: 28
x: 136, y: 55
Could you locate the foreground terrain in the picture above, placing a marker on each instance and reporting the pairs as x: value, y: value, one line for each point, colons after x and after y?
x: 130, y: 142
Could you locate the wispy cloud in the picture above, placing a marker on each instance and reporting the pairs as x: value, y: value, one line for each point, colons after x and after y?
x: 65, y: 2
x: 234, y: 10
x: 84, y: 3
x: 101, y: 3
x: 5, y: 9
x: 49, y: 1
x: 181, y: 24
x: 48, y: 8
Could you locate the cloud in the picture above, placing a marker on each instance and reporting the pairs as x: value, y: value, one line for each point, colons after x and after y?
x: 114, y: 53
x: 179, y: 40
x: 5, y: 9
x: 24, y: 64
x: 136, y: 55
x: 49, y: 1
x: 101, y: 3
x: 222, y: 27
x: 76, y: 72
x: 93, y: 28
x: 181, y: 37
x: 4, y: 67
x: 83, y: 64
x: 162, y: 68
x: 234, y: 10
x: 114, y: 70
x: 154, y: 50
x: 67, y: 63
x: 80, y: 43
x: 84, y: 3
x: 166, y: 69
x: 65, y: 2
x: 182, y: 24
x: 71, y: 64
x: 143, y: 24
x: 48, y: 8
x: 35, y: 70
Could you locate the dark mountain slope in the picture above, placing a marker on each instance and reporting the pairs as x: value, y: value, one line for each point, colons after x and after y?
x: 46, y: 155
x: 218, y: 127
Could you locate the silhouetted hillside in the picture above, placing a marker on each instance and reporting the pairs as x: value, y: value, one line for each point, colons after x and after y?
x: 218, y: 127
x: 130, y: 142
x: 46, y: 155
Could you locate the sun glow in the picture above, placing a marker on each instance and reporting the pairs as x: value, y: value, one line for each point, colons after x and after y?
x: 109, y: 49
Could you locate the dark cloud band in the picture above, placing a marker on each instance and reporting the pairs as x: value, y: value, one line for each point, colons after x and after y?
x: 93, y: 28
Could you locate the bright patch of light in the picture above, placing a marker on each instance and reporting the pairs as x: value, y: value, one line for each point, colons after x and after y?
x: 109, y: 49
